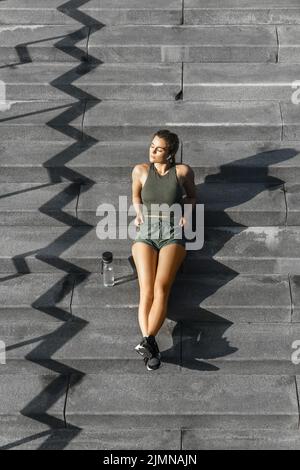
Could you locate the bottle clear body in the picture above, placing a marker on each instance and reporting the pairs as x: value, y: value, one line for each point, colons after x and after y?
x: 108, y: 275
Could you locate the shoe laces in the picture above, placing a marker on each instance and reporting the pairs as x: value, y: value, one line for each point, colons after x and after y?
x: 153, y: 345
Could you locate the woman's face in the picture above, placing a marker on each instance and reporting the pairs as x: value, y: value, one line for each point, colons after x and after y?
x: 158, y: 151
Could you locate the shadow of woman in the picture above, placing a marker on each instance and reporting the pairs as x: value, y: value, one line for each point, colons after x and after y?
x: 199, y: 335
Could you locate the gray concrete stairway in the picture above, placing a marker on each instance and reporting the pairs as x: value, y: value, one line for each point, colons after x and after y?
x: 85, y: 85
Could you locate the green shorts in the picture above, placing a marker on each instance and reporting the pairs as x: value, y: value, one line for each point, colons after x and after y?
x: 158, y: 232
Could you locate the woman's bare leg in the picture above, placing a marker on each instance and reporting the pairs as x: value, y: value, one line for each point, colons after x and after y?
x: 145, y: 258
x: 169, y: 260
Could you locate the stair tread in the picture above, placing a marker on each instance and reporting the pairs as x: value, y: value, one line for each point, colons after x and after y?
x: 240, y: 4
x: 212, y: 298
x: 98, y: 345
x: 228, y: 81
x: 199, y: 12
x: 108, y: 81
x: 183, y: 43
x: 81, y: 244
x: 25, y: 433
x: 231, y: 250
x: 18, y: 392
x: 105, y: 120
x: 245, y: 203
x: 110, y: 161
x: 142, y: 12
x: 63, y: 203
x: 185, y: 398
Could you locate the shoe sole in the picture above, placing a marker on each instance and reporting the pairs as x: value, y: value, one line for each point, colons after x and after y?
x: 147, y: 365
x: 153, y: 368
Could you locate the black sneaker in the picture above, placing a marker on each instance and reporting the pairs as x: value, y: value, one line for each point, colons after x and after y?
x: 153, y: 361
x: 153, y: 344
x: 143, y: 348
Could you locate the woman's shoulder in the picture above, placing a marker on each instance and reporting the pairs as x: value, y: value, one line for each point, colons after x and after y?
x: 140, y: 171
x: 140, y: 168
x: 142, y: 165
x: 183, y: 170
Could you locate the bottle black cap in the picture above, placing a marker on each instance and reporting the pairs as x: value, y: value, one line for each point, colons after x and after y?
x: 107, y: 257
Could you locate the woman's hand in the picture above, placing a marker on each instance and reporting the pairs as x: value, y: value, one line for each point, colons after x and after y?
x: 139, y: 220
x: 183, y: 221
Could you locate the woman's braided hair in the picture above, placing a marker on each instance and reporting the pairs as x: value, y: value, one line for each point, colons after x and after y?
x: 172, y: 140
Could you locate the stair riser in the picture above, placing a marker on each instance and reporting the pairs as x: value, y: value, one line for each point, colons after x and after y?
x: 98, y: 91
x: 212, y: 219
x: 241, y: 16
x: 93, y: 16
x: 238, y: 92
x: 192, y: 16
x: 206, y: 133
x: 82, y: 174
x: 98, y: 346
x: 175, y: 54
x: 197, y: 267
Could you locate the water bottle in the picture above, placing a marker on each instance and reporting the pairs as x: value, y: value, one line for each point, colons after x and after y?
x: 107, y: 269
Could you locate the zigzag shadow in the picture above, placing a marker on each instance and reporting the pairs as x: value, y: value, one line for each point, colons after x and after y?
x: 38, y: 407
x: 203, y: 334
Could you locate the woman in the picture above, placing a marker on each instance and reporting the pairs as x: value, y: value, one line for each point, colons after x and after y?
x: 157, y: 257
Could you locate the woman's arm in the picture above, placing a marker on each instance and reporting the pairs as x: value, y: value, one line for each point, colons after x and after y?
x: 136, y: 189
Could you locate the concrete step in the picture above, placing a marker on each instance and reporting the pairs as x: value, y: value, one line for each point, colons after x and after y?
x: 240, y: 81
x: 139, y: 43
x: 69, y: 204
x: 56, y: 204
x: 220, y: 12
x: 41, y: 120
x: 106, y: 344
x: 44, y: 432
x: 256, y: 439
x: 91, y: 12
x: 21, y: 44
x: 227, y: 204
x: 104, y: 121
x: 210, y: 120
x: 42, y: 397
x: 186, y: 399
x: 112, y: 162
x: 106, y: 82
x: 42, y: 298
x: 35, y: 204
x: 26, y: 434
x: 195, y: 12
x: 209, y: 298
x: 249, y: 250
x: 32, y: 298
x: 289, y: 43
x: 247, y: 204
x: 262, y: 250
x: 272, y: 162
x: 201, y: 82
x: 183, y: 43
